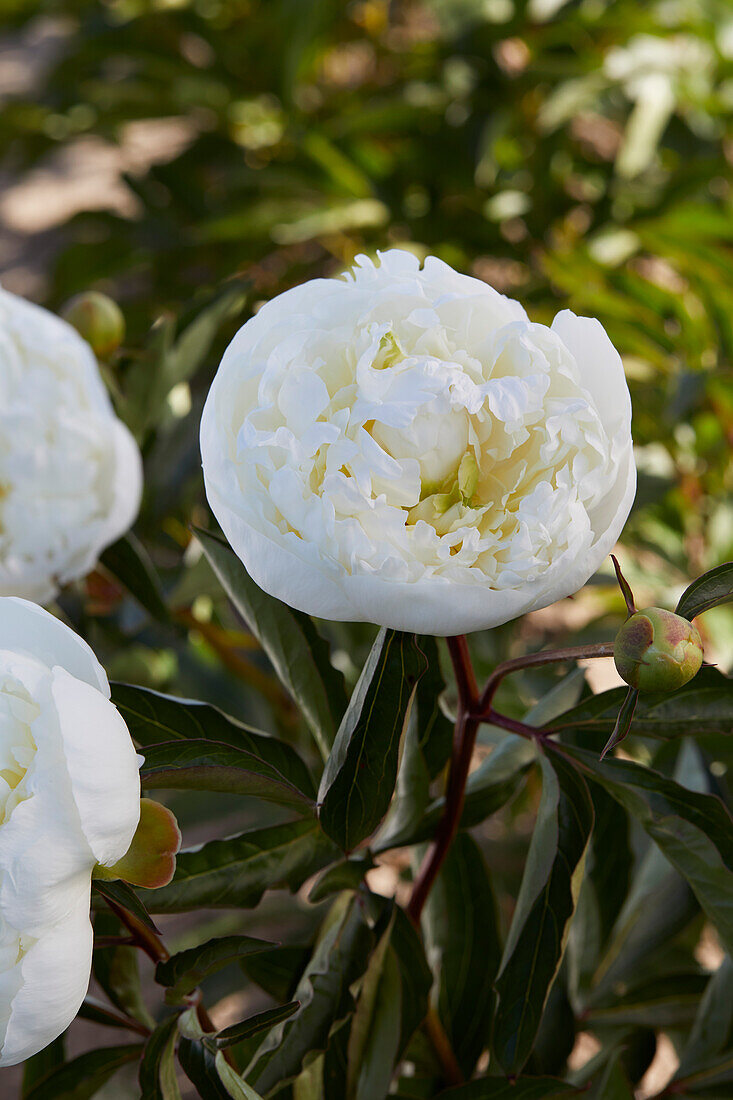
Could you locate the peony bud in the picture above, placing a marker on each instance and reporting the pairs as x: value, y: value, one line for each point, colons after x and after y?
x: 656, y: 650
x: 98, y: 319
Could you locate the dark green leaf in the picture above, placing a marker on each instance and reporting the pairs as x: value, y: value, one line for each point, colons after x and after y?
x: 117, y: 971
x: 42, y: 1064
x: 153, y: 718
x: 375, y: 1030
x: 526, y: 1088
x: 709, y: 590
x: 287, y: 637
x: 278, y: 971
x: 340, y: 956
x: 545, y: 905
x: 347, y: 874
x: 235, y: 872
x: 128, y: 561
x: 463, y: 944
x: 613, y: 1084
x: 694, y: 831
x: 712, y: 1032
x: 85, y: 1075
x: 183, y: 972
x: 209, y: 766
x: 705, y: 705
x: 100, y: 1013
x: 489, y: 787
x: 434, y: 728
x: 623, y: 722
x: 157, y: 1075
x: 415, y: 974
x: 360, y: 773
x: 120, y: 893
x: 208, y: 1070
x: 263, y: 1021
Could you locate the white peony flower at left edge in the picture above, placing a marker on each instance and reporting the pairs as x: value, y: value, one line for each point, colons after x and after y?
x: 69, y: 798
x: 70, y: 471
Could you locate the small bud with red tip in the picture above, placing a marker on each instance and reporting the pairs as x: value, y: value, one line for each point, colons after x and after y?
x: 656, y: 650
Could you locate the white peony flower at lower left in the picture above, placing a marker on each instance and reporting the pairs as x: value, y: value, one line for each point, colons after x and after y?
x: 69, y: 799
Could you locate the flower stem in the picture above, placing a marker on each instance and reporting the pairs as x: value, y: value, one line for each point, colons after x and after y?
x: 464, y: 739
x: 472, y: 711
x: 534, y: 660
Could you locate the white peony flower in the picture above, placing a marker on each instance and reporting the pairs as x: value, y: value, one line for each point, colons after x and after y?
x: 70, y: 472
x: 403, y: 446
x: 69, y: 798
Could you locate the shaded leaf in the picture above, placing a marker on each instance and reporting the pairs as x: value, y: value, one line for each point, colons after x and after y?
x: 208, y: 766
x: 157, y: 1074
x: 183, y: 972
x: 347, y: 874
x: 709, y: 590
x: 263, y: 1021
x: 296, y: 652
x: 415, y: 974
x: 117, y: 971
x: 712, y: 1031
x: 208, y: 1070
x: 705, y: 705
x: 526, y: 1088
x: 546, y: 902
x: 85, y: 1075
x: 360, y: 773
x: 375, y: 1030
x: 235, y: 872
x: 123, y: 894
x: 128, y: 562
x: 153, y: 718
x: 43, y: 1063
x: 623, y: 722
x: 340, y: 956
x: 694, y: 831
x: 278, y: 971
x: 463, y: 945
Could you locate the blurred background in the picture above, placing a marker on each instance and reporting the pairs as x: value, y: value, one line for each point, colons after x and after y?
x: 193, y: 158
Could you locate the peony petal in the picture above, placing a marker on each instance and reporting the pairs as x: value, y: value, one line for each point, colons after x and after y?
x: 27, y: 628
x: 103, y: 766
x: 54, y: 976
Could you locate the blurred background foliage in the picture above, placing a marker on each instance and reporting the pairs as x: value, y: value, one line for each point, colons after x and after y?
x: 192, y: 158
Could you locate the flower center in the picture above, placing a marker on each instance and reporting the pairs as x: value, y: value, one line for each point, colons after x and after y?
x: 17, y: 746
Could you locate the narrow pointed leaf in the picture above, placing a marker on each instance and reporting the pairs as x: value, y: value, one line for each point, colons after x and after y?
x: 263, y: 1021
x: 546, y: 902
x: 360, y: 773
x: 123, y: 894
x: 347, y: 874
x: 623, y: 722
x: 81, y: 1078
x: 153, y: 719
x: 705, y: 705
x: 339, y: 958
x: 157, y: 1073
x: 712, y: 1031
x: 183, y: 972
x: 128, y: 561
x: 375, y: 1030
x: 235, y: 872
x: 694, y: 831
x: 208, y: 1070
x: 624, y: 586
x: 296, y: 652
x: 463, y: 944
x: 709, y: 590
x: 208, y: 766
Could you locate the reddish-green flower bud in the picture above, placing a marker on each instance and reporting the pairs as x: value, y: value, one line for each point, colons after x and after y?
x: 656, y: 650
x: 98, y: 319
